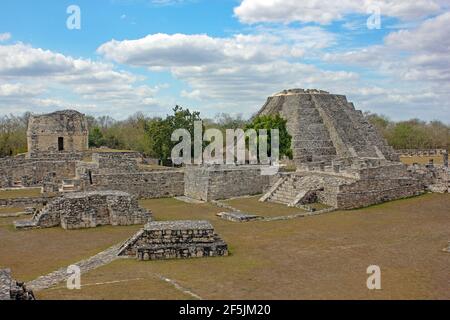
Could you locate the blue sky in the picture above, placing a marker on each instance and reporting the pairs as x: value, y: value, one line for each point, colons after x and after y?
x: 223, y: 56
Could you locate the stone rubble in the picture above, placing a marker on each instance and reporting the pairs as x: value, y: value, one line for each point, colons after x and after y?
x: 13, y: 290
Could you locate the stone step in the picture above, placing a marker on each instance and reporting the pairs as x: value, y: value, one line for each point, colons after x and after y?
x: 279, y: 201
x: 287, y: 198
x: 282, y: 193
x: 306, y: 144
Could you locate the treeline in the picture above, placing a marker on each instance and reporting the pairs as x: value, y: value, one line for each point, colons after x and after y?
x: 412, y: 134
x: 151, y: 135
x: 13, y: 134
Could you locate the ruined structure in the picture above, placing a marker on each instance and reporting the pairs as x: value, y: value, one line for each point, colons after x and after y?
x: 434, y: 178
x: 174, y: 239
x: 342, y: 161
x: 326, y: 126
x: 121, y: 171
x: 88, y: 210
x: 57, y: 132
x: 11, y: 289
x: 214, y: 182
x: 359, y: 185
x: 56, y: 141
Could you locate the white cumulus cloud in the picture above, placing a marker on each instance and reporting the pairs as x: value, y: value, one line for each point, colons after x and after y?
x: 22, y: 67
x: 287, y: 11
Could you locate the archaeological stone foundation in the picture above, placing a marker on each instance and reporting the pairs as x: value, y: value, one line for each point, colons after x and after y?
x: 174, y: 240
x: 79, y: 210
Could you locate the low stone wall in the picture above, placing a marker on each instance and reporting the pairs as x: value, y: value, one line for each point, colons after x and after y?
x: 144, y: 185
x: 88, y: 210
x: 57, y: 156
x: 117, y: 162
x: 32, y: 172
x: 223, y: 182
x: 25, y: 202
x: 421, y: 152
x: 434, y: 178
x: 369, y: 192
x: 174, y: 239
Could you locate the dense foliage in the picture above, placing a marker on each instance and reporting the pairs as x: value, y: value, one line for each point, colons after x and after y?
x: 412, y: 134
x: 274, y: 122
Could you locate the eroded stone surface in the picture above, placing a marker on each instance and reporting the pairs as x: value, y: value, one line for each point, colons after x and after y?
x: 87, y: 210
x: 174, y: 239
x: 238, y: 216
x: 326, y: 126
x: 60, y: 131
x: 13, y: 290
x: 214, y: 182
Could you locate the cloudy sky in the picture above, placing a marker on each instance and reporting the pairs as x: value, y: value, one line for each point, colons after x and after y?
x: 224, y: 55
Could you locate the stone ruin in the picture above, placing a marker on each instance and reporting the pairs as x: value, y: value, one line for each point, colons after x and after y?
x: 58, y: 132
x: 88, y: 210
x: 361, y: 184
x: 341, y: 159
x: 215, y: 182
x: 434, y: 178
x: 174, y: 240
x: 326, y: 126
x: 13, y: 290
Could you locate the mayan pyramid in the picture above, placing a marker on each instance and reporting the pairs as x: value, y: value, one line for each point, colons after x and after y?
x: 326, y: 126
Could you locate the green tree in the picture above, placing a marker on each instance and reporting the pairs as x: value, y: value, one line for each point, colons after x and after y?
x: 13, y: 138
x: 96, y: 139
x: 409, y: 135
x: 270, y: 122
x: 160, y: 131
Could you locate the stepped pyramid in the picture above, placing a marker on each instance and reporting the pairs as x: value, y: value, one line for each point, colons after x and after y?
x: 326, y: 126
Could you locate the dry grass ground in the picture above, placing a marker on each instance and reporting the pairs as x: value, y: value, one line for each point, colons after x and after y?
x: 7, y: 210
x: 36, y: 252
x: 421, y: 159
x: 20, y: 193
x: 319, y: 257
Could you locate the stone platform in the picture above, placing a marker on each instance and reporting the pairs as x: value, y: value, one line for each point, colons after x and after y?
x: 238, y: 216
x: 88, y: 210
x: 174, y: 240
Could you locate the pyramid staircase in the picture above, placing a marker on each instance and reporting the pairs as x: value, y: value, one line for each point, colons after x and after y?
x: 293, y: 190
x: 311, y: 141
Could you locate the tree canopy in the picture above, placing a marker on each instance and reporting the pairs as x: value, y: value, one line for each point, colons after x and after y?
x: 269, y: 122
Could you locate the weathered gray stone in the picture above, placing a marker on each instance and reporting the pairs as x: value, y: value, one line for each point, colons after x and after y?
x: 238, y: 216
x: 174, y: 239
x: 326, y: 126
x: 61, y: 131
x: 214, y: 182
x: 13, y: 290
x: 88, y: 210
